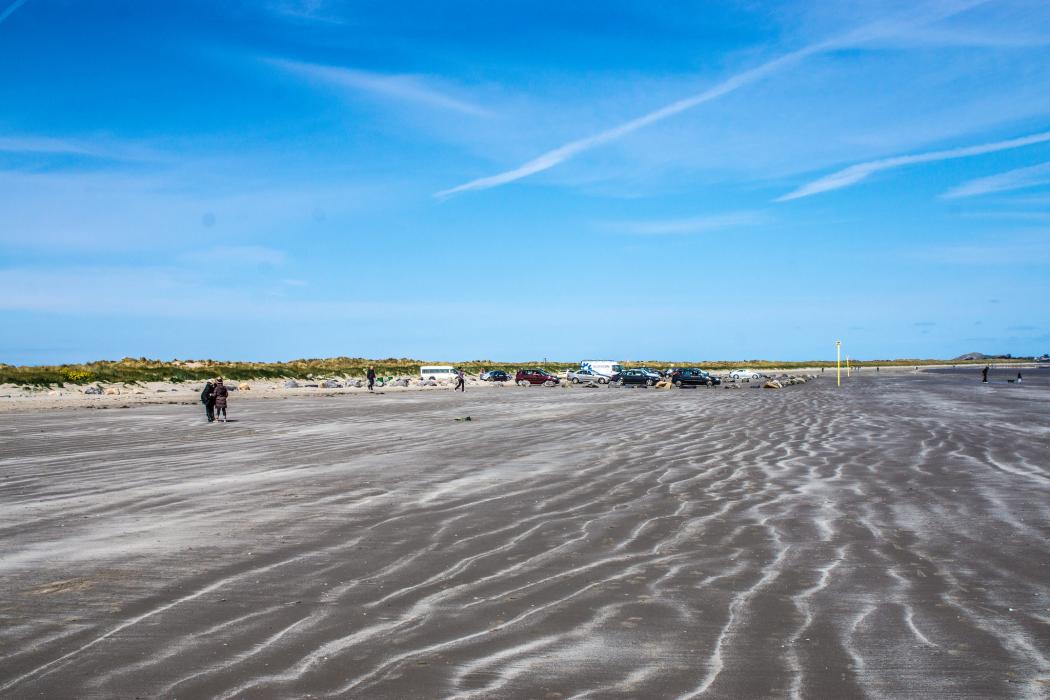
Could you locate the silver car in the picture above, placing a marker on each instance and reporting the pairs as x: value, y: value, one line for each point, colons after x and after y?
x: 577, y: 376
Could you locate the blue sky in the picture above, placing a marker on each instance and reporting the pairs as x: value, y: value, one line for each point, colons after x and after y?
x: 518, y: 180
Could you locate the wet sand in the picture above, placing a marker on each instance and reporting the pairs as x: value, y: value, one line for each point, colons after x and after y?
x: 889, y: 539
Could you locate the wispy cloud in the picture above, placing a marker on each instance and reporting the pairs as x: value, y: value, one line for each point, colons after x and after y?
x: 403, y: 88
x: 563, y: 153
x: 696, y: 224
x: 1032, y: 176
x: 861, y: 171
x: 10, y: 9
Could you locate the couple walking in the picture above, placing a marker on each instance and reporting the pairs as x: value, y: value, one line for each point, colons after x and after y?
x: 214, y: 399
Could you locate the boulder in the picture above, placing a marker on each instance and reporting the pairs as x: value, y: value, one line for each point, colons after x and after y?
x: 111, y: 391
x: 773, y: 384
x: 401, y: 382
x: 244, y: 386
x: 332, y: 384
x: 358, y: 383
x: 291, y: 384
x: 93, y: 390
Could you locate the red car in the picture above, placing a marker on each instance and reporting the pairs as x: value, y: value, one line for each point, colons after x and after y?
x: 535, y: 376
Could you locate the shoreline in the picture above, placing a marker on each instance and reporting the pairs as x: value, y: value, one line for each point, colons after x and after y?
x: 16, y: 399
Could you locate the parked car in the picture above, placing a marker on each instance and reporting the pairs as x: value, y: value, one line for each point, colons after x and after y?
x: 496, y: 375
x: 634, y: 377
x: 693, y: 376
x: 744, y: 374
x: 535, y: 376
x: 657, y: 374
x: 586, y: 375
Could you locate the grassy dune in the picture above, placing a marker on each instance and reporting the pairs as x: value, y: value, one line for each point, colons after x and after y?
x: 130, y: 370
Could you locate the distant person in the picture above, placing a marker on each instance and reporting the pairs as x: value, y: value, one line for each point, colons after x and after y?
x: 371, y: 378
x: 876, y: 369
x: 460, y: 383
x: 822, y: 370
x: 221, y: 394
x: 208, y: 399
x: 1018, y: 377
x: 984, y: 374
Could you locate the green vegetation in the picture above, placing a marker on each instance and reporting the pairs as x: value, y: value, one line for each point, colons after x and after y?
x: 130, y: 371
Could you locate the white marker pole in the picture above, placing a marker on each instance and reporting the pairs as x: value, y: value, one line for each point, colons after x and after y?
x: 838, y: 363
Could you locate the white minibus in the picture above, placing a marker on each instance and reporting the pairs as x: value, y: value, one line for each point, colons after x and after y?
x: 437, y: 372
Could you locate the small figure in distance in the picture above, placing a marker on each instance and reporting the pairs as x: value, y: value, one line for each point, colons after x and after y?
x: 371, y: 378
x: 984, y: 375
x: 221, y: 394
x: 460, y: 383
x: 1018, y: 377
x: 208, y: 399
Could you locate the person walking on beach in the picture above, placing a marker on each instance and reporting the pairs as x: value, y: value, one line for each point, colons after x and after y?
x: 208, y: 399
x: 984, y: 375
x: 221, y: 394
x: 460, y: 382
x: 371, y: 378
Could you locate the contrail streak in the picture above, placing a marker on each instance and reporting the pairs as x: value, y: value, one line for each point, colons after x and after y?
x: 563, y: 153
x: 10, y: 10
x: 855, y: 173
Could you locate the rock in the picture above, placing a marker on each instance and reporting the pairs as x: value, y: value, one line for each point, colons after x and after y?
x: 332, y: 384
x: 430, y: 382
x: 663, y: 385
x: 93, y: 390
x: 291, y: 384
x: 464, y: 418
x: 401, y: 382
x: 310, y: 386
x: 773, y: 384
x: 111, y: 391
x: 244, y: 386
x: 52, y: 393
x: 358, y: 383
x: 140, y: 393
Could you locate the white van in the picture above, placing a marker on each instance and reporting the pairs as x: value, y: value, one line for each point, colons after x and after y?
x: 437, y: 372
x: 604, y: 367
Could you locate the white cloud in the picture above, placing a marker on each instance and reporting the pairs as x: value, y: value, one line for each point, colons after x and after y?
x: 861, y: 171
x: 1032, y: 176
x: 404, y: 88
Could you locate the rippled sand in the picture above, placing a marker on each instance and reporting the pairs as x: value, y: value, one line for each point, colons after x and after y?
x: 889, y: 539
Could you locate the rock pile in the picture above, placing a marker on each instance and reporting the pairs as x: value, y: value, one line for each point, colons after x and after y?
x: 291, y: 384
x: 332, y: 384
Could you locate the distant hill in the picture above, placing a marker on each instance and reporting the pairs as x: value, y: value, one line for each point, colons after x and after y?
x: 970, y: 356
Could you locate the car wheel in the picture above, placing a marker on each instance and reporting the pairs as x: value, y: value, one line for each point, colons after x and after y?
x: 649, y: 382
x: 575, y: 380
x: 548, y: 383
x: 603, y: 380
x: 678, y: 383
x: 710, y: 383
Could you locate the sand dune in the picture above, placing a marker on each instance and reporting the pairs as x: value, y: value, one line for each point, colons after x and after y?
x: 889, y: 539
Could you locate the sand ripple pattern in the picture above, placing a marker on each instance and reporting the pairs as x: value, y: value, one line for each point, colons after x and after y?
x: 886, y: 540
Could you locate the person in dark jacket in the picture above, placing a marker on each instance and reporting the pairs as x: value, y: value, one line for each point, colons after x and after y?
x: 371, y: 378
x: 208, y: 399
x: 460, y: 382
x: 221, y: 394
x: 984, y: 375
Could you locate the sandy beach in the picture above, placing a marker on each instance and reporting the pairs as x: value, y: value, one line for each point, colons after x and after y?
x: 888, y: 539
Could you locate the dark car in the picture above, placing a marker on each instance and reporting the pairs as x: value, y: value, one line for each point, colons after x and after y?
x: 496, y: 375
x: 535, y: 376
x: 635, y: 377
x: 693, y: 376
